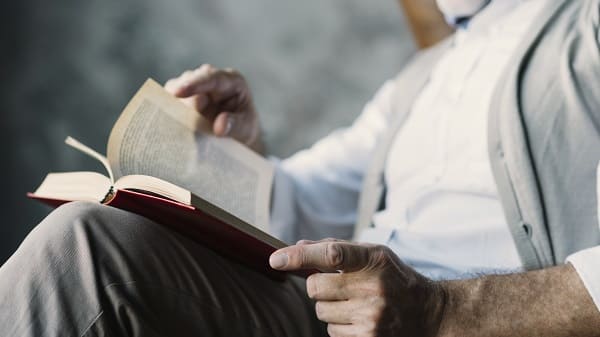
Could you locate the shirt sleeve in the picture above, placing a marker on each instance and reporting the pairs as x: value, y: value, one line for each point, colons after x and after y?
x: 587, y: 263
x: 316, y: 191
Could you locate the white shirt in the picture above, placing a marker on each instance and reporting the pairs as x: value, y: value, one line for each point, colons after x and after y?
x: 443, y: 215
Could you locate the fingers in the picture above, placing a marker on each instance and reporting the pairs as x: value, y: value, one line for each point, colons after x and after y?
x: 202, y: 104
x: 223, y: 124
x: 339, y: 330
x: 305, y: 242
x: 326, y: 256
x: 362, y: 315
x: 327, y: 287
x: 239, y: 126
x: 336, y: 312
x: 310, y: 242
x: 222, y: 83
x: 222, y: 97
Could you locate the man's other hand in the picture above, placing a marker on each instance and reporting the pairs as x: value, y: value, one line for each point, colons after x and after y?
x: 223, y: 97
x: 365, y: 290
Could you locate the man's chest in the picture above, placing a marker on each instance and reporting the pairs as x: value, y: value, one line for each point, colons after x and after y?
x: 444, y: 140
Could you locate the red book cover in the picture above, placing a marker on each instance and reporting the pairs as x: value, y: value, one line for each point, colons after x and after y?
x: 201, y: 227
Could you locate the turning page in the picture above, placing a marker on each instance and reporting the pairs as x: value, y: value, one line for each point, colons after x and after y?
x: 159, y: 136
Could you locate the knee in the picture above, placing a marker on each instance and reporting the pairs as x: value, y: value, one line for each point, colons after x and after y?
x: 64, y: 238
x: 100, y: 229
x: 72, y: 212
x: 77, y: 225
x: 79, y: 233
x: 66, y: 220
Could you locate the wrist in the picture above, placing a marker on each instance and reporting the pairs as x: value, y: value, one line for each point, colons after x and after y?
x: 461, y: 311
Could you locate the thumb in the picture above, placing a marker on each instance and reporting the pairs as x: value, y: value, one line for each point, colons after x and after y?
x: 240, y: 126
x: 224, y: 124
x: 324, y: 256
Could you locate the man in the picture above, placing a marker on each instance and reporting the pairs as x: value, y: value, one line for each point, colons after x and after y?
x: 478, y: 159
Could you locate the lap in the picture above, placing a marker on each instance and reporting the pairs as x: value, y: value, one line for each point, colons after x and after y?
x: 126, y: 272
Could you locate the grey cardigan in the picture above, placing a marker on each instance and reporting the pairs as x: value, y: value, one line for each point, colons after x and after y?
x: 544, y: 134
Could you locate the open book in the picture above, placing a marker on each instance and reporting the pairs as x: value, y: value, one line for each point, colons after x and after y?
x: 162, y: 165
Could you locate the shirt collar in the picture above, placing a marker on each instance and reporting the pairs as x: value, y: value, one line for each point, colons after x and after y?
x: 493, y: 11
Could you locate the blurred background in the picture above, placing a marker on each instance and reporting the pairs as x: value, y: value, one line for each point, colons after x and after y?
x: 69, y: 67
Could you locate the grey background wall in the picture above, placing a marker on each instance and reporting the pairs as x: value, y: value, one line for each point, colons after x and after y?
x: 68, y: 67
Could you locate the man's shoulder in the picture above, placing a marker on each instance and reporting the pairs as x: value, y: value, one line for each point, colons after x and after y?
x: 582, y: 12
x: 569, y: 40
x: 570, y: 35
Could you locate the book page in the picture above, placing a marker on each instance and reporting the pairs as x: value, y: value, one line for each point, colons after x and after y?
x: 159, y: 136
x: 72, y: 186
x: 153, y: 185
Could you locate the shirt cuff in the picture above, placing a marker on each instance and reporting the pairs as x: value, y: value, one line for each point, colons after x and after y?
x: 587, y: 265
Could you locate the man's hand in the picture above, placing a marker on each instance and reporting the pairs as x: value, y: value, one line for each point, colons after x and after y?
x: 375, y: 294
x: 365, y: 290
x: 223, y: 97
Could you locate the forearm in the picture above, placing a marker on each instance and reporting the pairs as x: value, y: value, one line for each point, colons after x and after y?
x: 551, y: 303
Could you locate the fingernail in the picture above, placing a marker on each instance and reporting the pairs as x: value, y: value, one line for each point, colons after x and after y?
x: 229, y: 126
x: 279, y: 260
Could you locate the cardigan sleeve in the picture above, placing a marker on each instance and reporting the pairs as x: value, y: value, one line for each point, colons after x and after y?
x: 316, y: 191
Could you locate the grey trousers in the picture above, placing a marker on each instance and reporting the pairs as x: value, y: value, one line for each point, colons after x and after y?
x: 93, y: 270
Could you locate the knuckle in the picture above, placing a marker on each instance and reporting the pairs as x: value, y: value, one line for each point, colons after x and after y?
x: 205, y: 67
x: 331, y: 240
x: 205, y: 70
x: 334, y: 255
x: 373, y: 314
x: 199, y: 103
x: 377, y: 290
x: 372, y: 290
x: 303, y: 258
x: 369, y: 321
x: 311, y: 286
x: 332, y: 331
x: 381, y: 249
x: 370, y: 328
x: 319, y: 310
x: 232, y: 71
x: 380, y: 254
